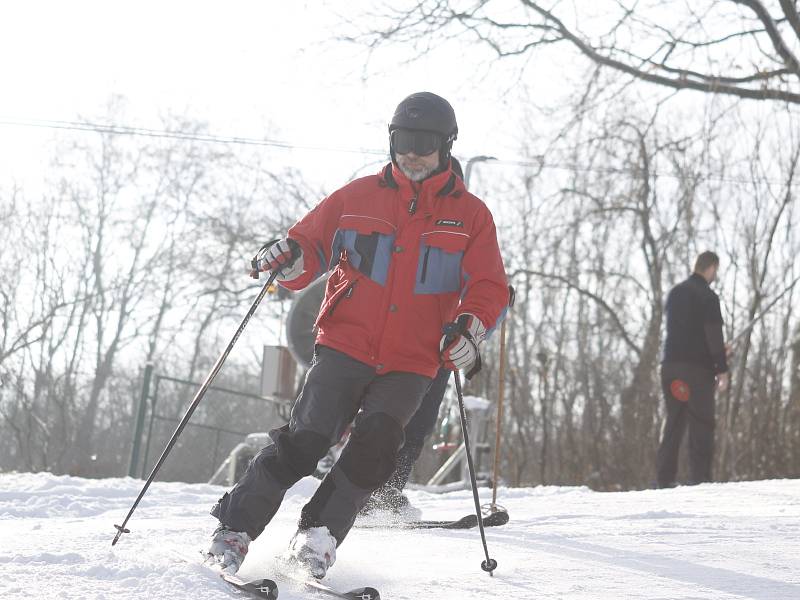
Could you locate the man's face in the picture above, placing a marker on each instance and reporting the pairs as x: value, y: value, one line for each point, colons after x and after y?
x: 417, y: 168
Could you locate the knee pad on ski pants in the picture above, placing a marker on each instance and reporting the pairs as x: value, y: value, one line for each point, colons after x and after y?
x: 370, y: 456
x: 296, y: 454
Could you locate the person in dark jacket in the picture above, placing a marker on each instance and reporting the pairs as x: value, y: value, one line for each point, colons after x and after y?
x: 693, y: 366
x: 410, y: 250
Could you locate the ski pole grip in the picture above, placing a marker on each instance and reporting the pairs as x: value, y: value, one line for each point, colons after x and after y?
x: 293, y: 246
x: 254, y: 272
x: 452, y: 331
x: 455, y: 329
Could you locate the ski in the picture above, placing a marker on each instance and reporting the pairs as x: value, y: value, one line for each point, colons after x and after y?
x: 496, y: 519
x: 365, y: 593
x: 468, y: 522
x: 259, y: 588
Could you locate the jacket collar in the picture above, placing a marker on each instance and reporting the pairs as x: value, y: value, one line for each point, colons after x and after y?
x: 697, y: 278
x: 441, y: 184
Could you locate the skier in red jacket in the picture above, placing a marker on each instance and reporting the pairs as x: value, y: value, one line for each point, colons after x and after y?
x: 410, y: 250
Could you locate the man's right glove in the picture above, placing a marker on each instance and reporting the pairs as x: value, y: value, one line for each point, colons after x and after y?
x: 458, y: 347
x: 284, y: 256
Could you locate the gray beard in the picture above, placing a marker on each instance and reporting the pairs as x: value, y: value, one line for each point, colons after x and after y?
x: 418, y: 175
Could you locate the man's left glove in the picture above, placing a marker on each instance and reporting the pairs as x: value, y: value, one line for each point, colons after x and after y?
x: 284, y: 256
x: 458, y: 347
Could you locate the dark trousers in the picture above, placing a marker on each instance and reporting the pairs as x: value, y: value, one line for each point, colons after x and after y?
x: 337, y: 390
x: 418, y: 429
x: 689, y: 400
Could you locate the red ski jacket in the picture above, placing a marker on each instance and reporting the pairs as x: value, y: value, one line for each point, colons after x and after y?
x: 407, y: 258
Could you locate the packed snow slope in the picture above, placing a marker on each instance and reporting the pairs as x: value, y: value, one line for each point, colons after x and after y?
x: 714, y: 541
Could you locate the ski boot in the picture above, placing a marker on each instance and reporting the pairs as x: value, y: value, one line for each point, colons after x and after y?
x: 390, y: 500
x: 314, y: 550
x: 228, y: 548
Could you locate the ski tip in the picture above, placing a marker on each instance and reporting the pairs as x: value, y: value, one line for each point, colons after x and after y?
x: 497, y: 518
x: 262, y: 588
x: 366, y: 593
x: 265, y: 588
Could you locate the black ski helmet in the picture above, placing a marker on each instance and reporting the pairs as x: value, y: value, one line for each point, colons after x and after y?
x: 428, y: 112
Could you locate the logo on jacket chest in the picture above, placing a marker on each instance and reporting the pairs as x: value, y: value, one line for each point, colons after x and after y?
x: 450, y: 223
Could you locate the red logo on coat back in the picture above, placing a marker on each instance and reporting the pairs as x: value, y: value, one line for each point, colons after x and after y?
x: 680, y: 390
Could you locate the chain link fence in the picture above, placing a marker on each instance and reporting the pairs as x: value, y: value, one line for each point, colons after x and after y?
x: 221, y: 421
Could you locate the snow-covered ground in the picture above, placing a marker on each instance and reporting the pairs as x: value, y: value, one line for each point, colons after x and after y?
x: 716, y: 541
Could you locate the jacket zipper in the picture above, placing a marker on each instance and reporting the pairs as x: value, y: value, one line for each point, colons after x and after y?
x: 425, y: 265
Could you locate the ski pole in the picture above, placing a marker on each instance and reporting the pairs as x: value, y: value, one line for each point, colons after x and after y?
x: 500, y: 395
x: 198, y: 396
x: 488, y: 565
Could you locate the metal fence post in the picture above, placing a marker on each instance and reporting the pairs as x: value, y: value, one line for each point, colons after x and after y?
x: 140, y: 414
x: 153, y: 402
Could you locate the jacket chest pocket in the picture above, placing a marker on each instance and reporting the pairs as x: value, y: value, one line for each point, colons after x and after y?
x: 366, y: 243
x: 439, y: 267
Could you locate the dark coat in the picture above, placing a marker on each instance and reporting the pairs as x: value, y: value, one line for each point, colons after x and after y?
x: 694, y: 326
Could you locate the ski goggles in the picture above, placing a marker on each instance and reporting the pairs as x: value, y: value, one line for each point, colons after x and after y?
x: 421, y: 143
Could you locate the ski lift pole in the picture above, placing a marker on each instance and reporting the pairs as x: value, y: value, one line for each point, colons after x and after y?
x: 500, y: 398
x: 200, y: 393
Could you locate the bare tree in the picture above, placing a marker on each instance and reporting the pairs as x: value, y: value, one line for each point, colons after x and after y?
x: 741, y: 48
x: 134, y: 254
x: 633, y: 189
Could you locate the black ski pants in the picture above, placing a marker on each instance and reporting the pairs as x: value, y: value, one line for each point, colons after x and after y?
x: 689, y: 400
x: 337, y: 390
x: 418, y: 429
